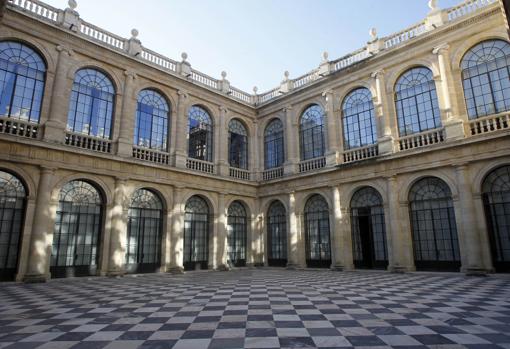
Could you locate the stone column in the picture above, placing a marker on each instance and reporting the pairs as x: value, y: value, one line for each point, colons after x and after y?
x: 221, y: 234
x: 332, y: 136
x: 382, y: 111
x: 255, y: 156
x: 118, y: 231
x: 177, y: 234
x: 337, y: 243
x: 454, y: 127
x: 181, y: 134
x: 128, y: 115
x: 291, y: 141
x: 221, y: 143
x: 398, y: 238
x: 294, y: 259
x: 55, y: 126
x: 469, y: 231
x: 38, y: 268
x: 166, y: 246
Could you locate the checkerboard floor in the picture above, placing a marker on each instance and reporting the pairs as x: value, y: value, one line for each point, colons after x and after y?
x: 259, y: 308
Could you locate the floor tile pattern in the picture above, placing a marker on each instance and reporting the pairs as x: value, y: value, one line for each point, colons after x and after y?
x: 259, y: 308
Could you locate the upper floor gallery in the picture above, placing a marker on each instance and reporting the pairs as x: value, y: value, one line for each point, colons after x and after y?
x: 66, y: 82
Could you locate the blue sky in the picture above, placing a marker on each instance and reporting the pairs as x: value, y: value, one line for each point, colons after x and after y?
x: 255, y: 41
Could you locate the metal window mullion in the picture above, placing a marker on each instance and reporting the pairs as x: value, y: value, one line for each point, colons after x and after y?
x: 75, y: 110
x: 10, y: 233
x: 15, y: 83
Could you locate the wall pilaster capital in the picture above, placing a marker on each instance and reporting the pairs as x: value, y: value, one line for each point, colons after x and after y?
x: 327, y: 94
x: 378, y: 74
x: 120, y: 179
x: 47, y: 169
x: 287, y: 108
x: 223, y: 109
x: 182, y: 94
x: 62, y: 49
x: 441, y: 49
x: 130, y: 74
x: 460, y: 167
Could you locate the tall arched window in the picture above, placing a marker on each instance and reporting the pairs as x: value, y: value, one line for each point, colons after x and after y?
x: 237, y: 145
x: 273, y: 145
x: 359, y: 119
x: 91, y: 104
x: 200, y: 134
x: 416, y: 102
x: 311, y: 133
x: 496, y: 199
x: 145, y: 225
x: 12, y: 211
x: 237, y: 223
x: 151, y: 128
x: 277, y: 235
x: 318, y: 247
x: 196, y: 234
x: 486, y: 78
x: 368, y: 229
x: 435, y: 241
x: 22, y: 76
x: 78, y: 226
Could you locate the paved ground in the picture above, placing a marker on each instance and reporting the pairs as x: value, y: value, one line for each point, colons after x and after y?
x: 261, y: 308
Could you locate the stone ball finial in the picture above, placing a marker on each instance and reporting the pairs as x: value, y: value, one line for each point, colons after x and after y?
x: 433, y: 5
x: 134, y: 32
x: 184, y: 56
x: 223, y: 74
x: 325, y: 56
x: 286, y: 74
x: 72, y: 4
x: 373, y: 34
x: 255, y: 89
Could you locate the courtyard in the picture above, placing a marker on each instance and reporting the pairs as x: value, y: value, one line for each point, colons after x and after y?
x: 259, y: 308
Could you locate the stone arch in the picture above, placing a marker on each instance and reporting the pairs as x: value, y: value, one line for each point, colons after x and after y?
x: 24, y: 177
x: 393, y: 77
x: 97, y: 182
x: 96, y: 65
x: 39, y: 48
x: 411, y: 180
x: 459, y: 53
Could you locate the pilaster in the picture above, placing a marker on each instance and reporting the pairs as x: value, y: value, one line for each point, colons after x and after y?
x: 332, y: 135
x: 118, y: 231
x: 294, y: 259
x: 221, y: 235
x: 38, y: 268
x: 469, y: 230
x: 291, y: 137
x: 181, y: 134
x: 384, y: 130
x: 176, y: 262
x: 221, y: 143
x: 55, y: 126
x: 127, y: 122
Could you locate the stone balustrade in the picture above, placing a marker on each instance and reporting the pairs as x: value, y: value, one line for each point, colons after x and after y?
x: 18, y: 127
x: 200, y: 165
x: 467, y: 7
x: 79, y: 140
x: 151, y: 155
x: 239, y: 173
x: 312, y: 164
x: 421, y: 139
x: 361, y: 153
x: 273, y: 173
x: 489, y: 124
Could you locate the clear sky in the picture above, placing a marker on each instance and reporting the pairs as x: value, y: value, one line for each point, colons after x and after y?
x: 254, y: 41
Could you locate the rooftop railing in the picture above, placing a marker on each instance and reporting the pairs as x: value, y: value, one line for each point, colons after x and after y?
x: 69, y: 19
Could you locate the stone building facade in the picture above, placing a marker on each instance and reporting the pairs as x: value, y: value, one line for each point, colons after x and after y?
x: 115, y: 159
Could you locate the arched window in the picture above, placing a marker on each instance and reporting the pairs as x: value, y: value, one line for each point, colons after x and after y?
x: 12, y: 210
x: 416, y: 102
x: 277, y: 235
x: 496, y: 199
x: 368, y: 229
x: 78, y: 226
x: 200, y: 133
x: 237, y: 145
x: 145, y: 225
x: 486, y: 78
x: 22, y: 76
x: 91, y: 104
x: 152, y: 113
x: 359, y: 119
x: 311, y: 133
x: 318, y: 248
x: 236, y: 234
x: 435, y: 241
x: 196, y: 234
x: 273, y: 145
